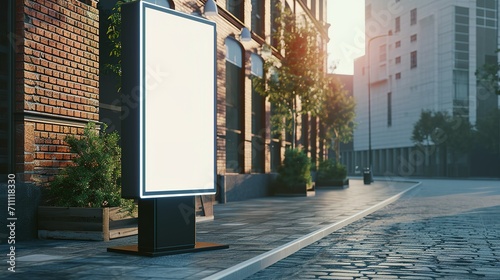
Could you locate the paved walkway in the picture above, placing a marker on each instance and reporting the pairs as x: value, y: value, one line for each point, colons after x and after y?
x: 259, y: 233
x: 441, y: 230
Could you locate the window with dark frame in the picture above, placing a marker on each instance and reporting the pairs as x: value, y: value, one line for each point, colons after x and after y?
x: 236, y: 7
x: 383, y: 53
x: 389, y: 109
x: 486, y: 14
x: 161, y: 3
x: 234, y: 105
x: 398, y: 60
x: 413, y: 38
x: 413, y: 59
x: 461, y: 38
x: 397, y: 24
x: 413, y: 17
x: 398, y: 76
x: 313, y: 7
x: 258, y: 17
x: 321, y: 10
x: 462, y: 52
x: 258, y: 118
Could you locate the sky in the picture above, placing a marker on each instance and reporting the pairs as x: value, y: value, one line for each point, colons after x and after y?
x: 346, y: 34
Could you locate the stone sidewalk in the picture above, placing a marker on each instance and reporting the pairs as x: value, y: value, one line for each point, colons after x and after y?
x: 442, y: 230
x: 258, y: 231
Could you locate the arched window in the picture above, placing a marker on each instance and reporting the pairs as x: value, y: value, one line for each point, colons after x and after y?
x: 257, y: 67
x: 258, y: 120
x: 234, y: 106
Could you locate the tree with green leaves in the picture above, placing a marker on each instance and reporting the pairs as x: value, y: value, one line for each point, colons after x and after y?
x: 114, y: 36
x: 454, y: 133
x: 488, y: 132
x: 460, y: 134
x: 427, y: 131
x: 337, y: 114
x: 488, y: 77
x: 423, y: 128
x: 295, y: 82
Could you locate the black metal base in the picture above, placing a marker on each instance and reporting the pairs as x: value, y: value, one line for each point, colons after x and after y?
x: 134, y: 249
x: 167, y: 226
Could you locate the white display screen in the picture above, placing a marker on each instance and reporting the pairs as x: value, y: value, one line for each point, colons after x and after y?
x: 178, y: 82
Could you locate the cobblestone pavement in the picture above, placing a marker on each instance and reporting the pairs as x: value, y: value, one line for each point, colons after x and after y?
x: 250, y: 228
x: 441, y: 230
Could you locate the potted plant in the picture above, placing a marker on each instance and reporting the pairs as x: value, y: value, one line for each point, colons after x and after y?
x: 294, y: 175
x: 332, y: 173
x: 85, y: 197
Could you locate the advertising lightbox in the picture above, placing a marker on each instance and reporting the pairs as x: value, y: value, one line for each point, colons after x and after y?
x: 168, y: 102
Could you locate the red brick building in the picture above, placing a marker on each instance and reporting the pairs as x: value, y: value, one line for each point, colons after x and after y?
x: 247, y: 155
x: 52, y: 84
x: 49, y: 89
x: 56, y: 81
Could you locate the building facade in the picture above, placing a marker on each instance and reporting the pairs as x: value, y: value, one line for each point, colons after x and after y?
x: 53, y: 82
x: 420, y: 55
x: 247, y: 154
x: 49, y: 88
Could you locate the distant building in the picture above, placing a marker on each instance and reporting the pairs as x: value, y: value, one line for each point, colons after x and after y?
x: 421, y: 55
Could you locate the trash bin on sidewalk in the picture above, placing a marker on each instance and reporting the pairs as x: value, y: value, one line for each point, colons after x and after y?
x: 367, y: 176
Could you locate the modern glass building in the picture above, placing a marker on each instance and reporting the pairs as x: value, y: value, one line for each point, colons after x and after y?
x: 422, y: 55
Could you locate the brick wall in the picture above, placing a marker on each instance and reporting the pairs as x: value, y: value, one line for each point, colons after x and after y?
x: 224, y: 30
x: 227, y: 26
x: 57, y: 81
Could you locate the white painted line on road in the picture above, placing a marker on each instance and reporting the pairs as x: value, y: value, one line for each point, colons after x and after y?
x: 255, y: 264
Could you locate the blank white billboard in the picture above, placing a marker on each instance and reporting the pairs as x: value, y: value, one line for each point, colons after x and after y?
x: 176, y: 88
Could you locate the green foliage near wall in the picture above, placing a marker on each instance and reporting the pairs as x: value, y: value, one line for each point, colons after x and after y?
x: 94, y: 177
x: 295, y: 81
x: 114, y: 35
x: 295, y: 170
x: 488, y: 132
x: 337, y: 114
x: 488, y: 77
x: 442, y: 129
x: 331, y: 170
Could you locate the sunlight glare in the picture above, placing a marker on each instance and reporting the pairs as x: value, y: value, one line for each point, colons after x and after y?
x: 347, y: 34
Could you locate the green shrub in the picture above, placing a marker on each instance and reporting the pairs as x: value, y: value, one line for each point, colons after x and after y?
x: 94, y: 177
x: 331, y: 170
x: 295, y: 169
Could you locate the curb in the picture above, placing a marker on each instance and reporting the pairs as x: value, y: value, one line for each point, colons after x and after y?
x: 255, y: 264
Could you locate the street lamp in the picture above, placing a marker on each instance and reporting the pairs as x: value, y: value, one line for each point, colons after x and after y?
x: 370, y: 159
x: 210, y: 8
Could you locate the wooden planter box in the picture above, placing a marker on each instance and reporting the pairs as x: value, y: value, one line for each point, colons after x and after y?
x: 333, y: 183
x: 84, y: 223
